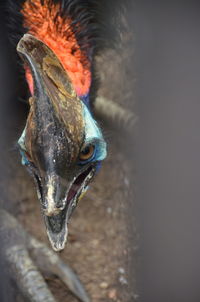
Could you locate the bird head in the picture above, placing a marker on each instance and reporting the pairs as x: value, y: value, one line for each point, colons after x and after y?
x: 62, y: 145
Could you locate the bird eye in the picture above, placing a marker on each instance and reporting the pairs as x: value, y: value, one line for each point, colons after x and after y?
x: 87, y: 152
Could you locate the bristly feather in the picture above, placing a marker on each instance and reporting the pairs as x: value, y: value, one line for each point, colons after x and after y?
x: 93, y: 23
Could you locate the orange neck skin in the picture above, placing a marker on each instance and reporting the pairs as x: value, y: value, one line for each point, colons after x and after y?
x: 58, y: 36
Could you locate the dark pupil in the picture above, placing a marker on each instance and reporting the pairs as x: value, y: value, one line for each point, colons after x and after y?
x: 86, y: 150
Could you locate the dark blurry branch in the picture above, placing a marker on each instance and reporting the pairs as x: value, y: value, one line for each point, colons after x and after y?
x: 115, y: 115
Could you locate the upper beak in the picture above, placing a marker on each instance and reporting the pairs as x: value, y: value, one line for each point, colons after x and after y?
x: 55, y: 210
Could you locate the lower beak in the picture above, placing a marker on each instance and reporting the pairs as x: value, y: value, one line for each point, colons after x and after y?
x: 57, y: 229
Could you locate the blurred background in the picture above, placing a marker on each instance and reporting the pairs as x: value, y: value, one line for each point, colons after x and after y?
x: 167, y: 64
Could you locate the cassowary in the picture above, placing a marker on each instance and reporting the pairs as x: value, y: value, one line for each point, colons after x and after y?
x: 62, y: 145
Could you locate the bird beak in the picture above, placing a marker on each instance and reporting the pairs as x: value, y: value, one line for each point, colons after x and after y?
x: 54, y: 101
x: 58, y: 207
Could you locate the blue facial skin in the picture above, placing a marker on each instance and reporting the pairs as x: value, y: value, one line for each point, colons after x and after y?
x: 94, y: 136
x: 24, y: 159
x: 86, y: 100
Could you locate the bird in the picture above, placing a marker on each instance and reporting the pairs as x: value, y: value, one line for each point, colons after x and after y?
x: 62, y: 146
